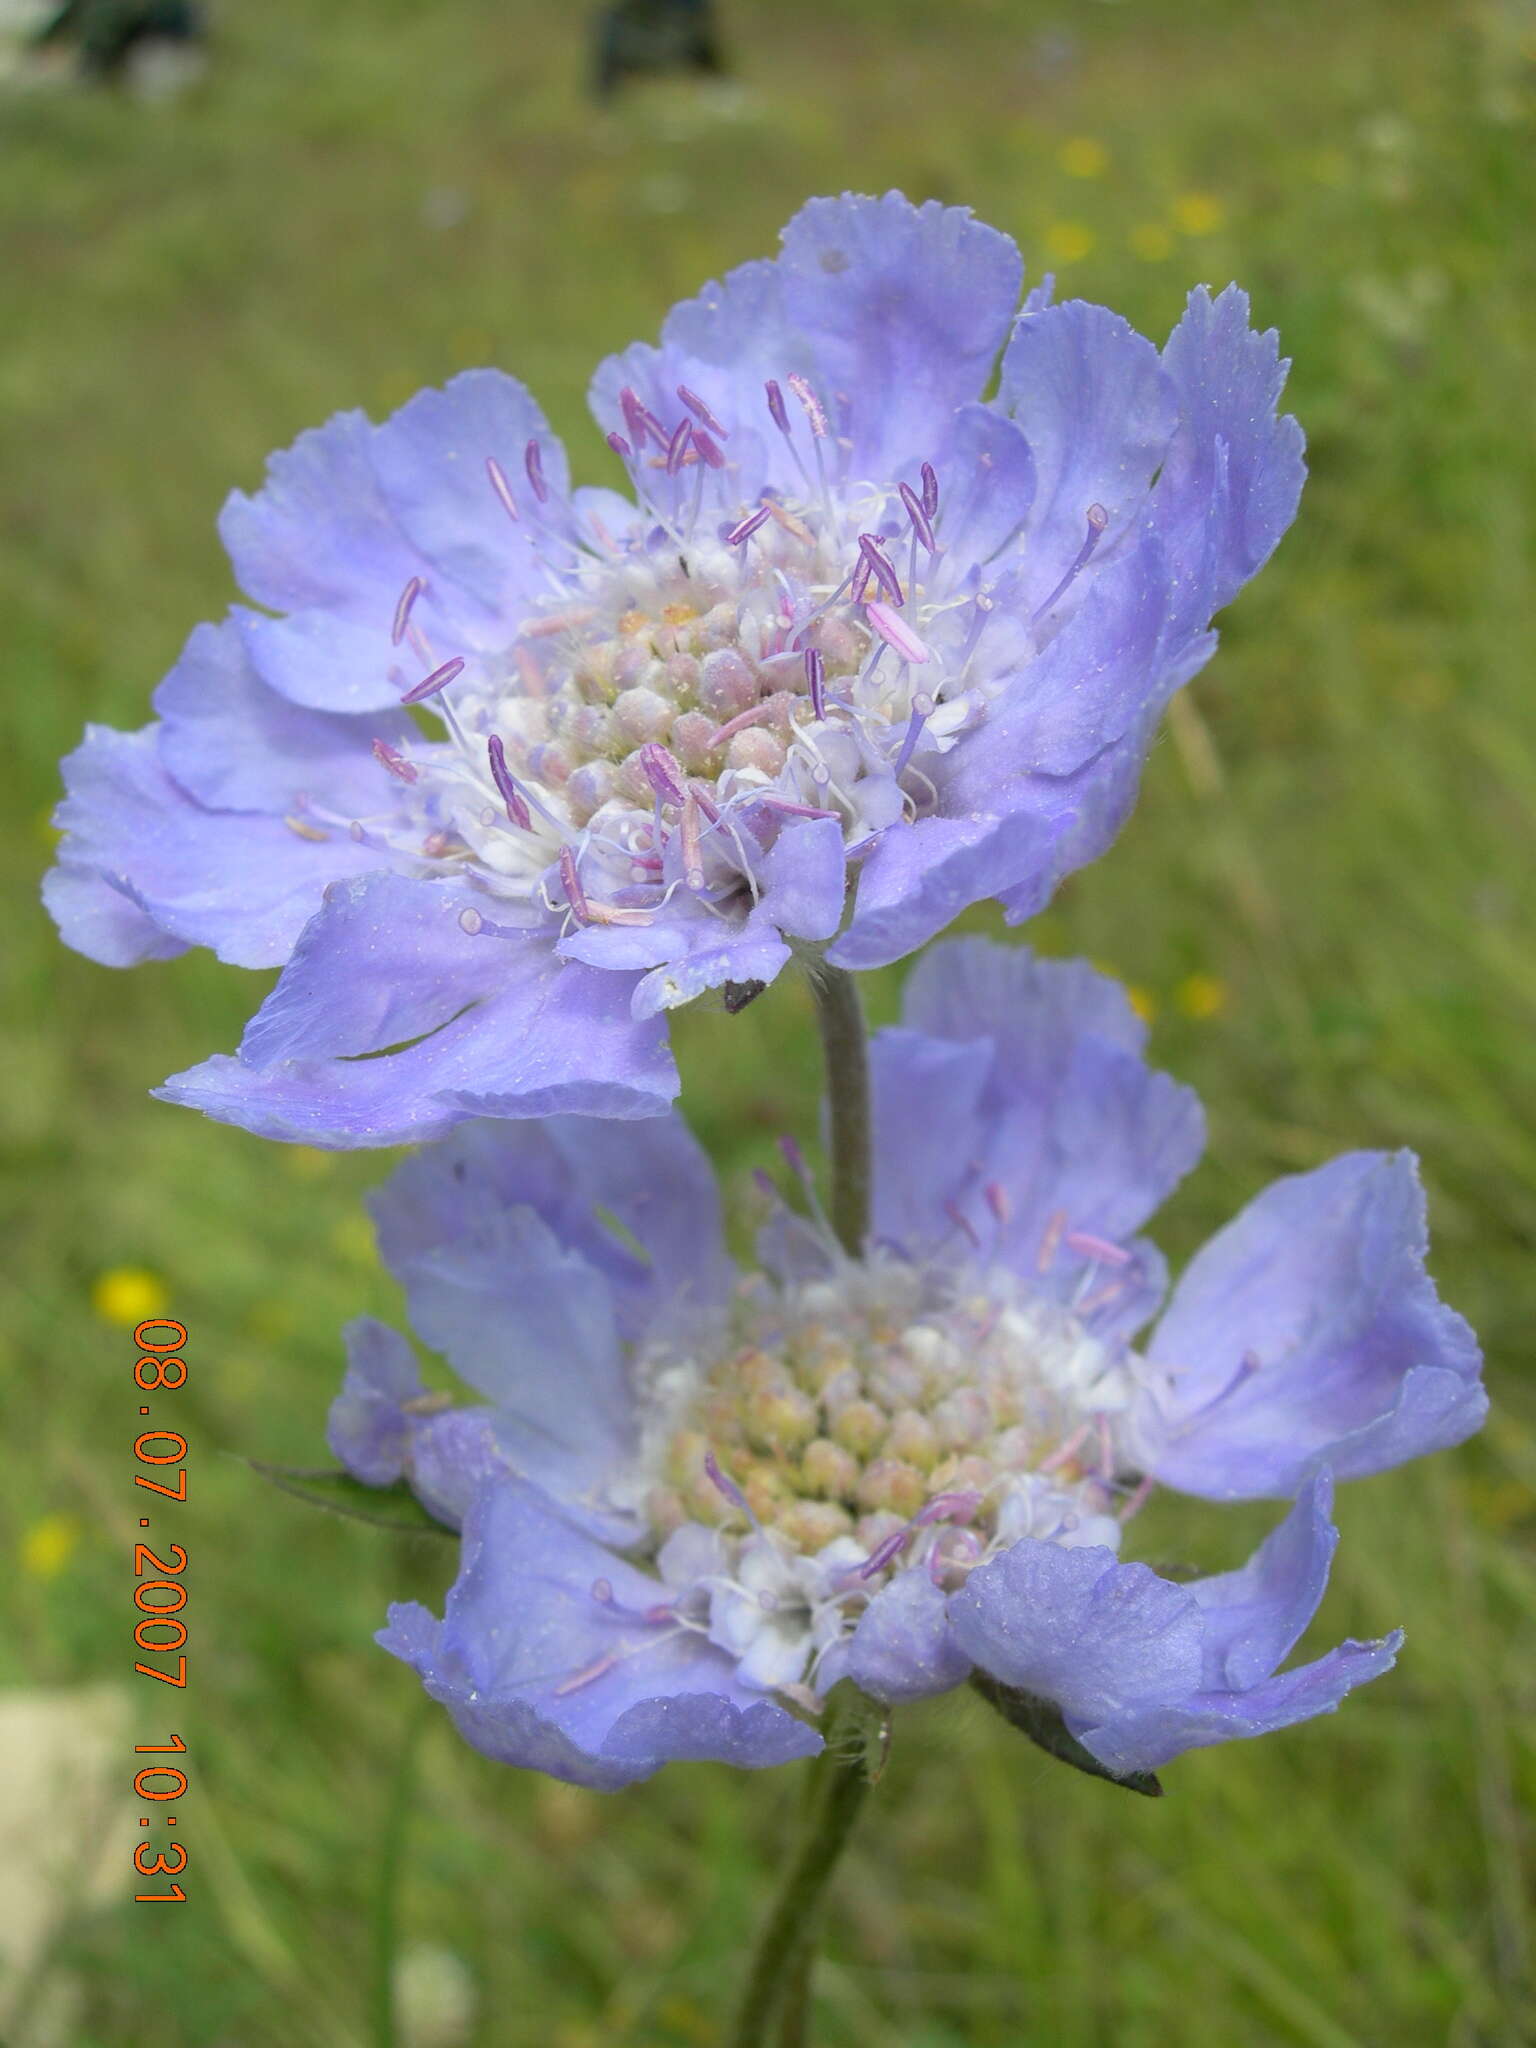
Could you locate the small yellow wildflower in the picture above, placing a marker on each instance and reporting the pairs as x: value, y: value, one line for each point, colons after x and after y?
x: 1151, y: 242
x: 1141, y: 1000
x: 1083, y: 156
x: 352, y: 1238
x: 48, y: 1545
x: 125, y: 1295
x: 1201, y: 997
x: 305, y: 1162
x: 1198, y: 213
x: 1068, y: 241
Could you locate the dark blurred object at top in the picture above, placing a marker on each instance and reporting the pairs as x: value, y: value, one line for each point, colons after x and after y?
x: 110, y: 34
x: 633, y: 37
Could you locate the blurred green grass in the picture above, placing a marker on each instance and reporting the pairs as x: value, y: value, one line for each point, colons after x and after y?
x: 1325, y: 894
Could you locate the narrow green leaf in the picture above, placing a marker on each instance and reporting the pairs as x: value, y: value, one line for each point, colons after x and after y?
x: 386, y: 1507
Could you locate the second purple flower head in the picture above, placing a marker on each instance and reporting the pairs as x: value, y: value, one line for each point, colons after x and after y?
x: 506, y: 770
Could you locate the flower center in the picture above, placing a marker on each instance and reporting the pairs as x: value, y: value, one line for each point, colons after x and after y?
x: 721, y: 668
x: 923, y: 1418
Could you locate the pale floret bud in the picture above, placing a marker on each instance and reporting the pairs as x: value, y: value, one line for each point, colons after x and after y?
x: 782, y: 1422
x: 912, y: 1437
x: 756, y: 751
x: 894, y: 1486
x: 691, y: 736
x: 963, y: 1419
x: 727, y: 686
x: 811, y: 1524
x: 829, y: 1469
x: 643, y: 714
x: 859, y: 1427
x: 589, y: 788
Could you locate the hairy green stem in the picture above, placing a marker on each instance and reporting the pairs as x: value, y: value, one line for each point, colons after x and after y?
x: 779, y: 1980
x: 840, y: 1014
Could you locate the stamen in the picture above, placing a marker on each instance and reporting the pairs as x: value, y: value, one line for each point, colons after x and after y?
x: 812, y: 404
x: 883, y: 566
x: 777, y: 407
x: 701, y: 411
x: 896, y: 633
x: 533, y: 462
x: 502, y: 488
x: 663, y: 771
x: 707, y: 450
x: 408, y: 597
x: 1065, y: 1452
x: 301, y: 830
x: 1098, y: 1248
x: 816, y: 678
x: 997, y: 1201
x: 677, y: 447
x: 389, y: 757
x: 728, y: 1487
x: 1098, y: 519
x: 751, y: 716
x: 575, y: 895
x: 439, y: 679
x: 642, y: 423
x: 745, y: 528
x: 917, y: 512
x: 587, y: 1674
x: 620, y: 447
x: 511, y: 795
x: 1137, y: 1500
x: 693, y: 858
x: 930, y: 490
x: 1050, y: 1240
x: 962, y: 1222
x: 922, y: 711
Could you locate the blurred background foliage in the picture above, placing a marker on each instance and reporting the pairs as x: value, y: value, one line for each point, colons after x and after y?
x: 1324, y: 902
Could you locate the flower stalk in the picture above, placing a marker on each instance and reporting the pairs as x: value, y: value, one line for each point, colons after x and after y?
x: 844, y: 1043
x: 778, y: 1980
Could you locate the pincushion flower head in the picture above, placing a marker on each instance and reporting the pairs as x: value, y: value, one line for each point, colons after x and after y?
x: 693, y: 1501
x: 506, y: 769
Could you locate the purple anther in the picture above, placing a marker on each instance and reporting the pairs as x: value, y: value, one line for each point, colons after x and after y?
x: 882, y: 1554
x: 642, y: 422
x: 1098, y: 1248
x: 501, y: 487
x: 439, y: 679
x: 764, y: 1183
x: 947, y: 1507
x: 620, y: 447
x: 930, y: 490
x: 663, y: 771
x: 1098, y: 519
x: 575, y: 895
x: 996, y: 1197
x: 533, y: 462
x: 895, y: 632
x: 962, y: 1222
x: 884, y: 568
x: 511, y: 795
x: 1050, y: 1240
x: 812, y: 404
x: 693, y: 855
x: 922, y: 525
x: 776, y: 406
x: 708, y: 450
x: 728, y: 1487
x: 408, y: 597
x: 794, y: 1158
x: 677, y: 447
x: 705, y: 802
x: 701, y: 411
x: 391, y: 758
x: 863, y: 576
x: 816, y: 680
x: 745, y: 528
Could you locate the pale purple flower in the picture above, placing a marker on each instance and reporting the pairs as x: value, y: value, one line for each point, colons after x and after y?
x: 692, y: 1500
x: 504, y: 771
